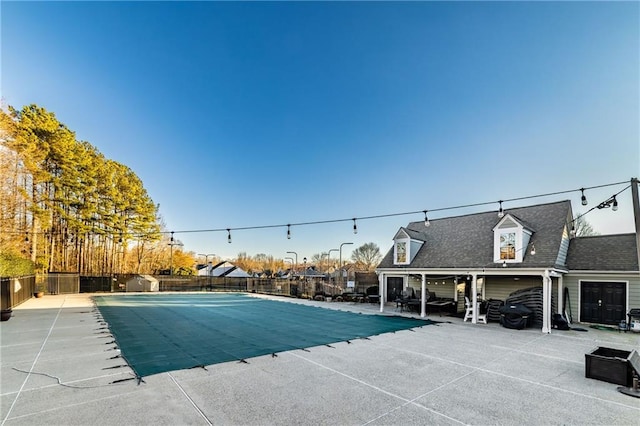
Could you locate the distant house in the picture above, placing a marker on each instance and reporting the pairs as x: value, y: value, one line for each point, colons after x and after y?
x: 223, y: 269
x: 490, y: 256
x: 310, y: 272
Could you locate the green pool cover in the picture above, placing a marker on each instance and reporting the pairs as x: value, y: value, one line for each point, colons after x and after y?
x: 165, y: 332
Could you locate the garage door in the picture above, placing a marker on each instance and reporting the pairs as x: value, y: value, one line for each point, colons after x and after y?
x: 603, y: 302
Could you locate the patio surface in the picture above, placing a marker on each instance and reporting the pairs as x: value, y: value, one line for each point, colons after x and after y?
x: 59, y: 367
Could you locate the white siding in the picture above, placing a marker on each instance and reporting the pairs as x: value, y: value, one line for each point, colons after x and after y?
x: 564, y: 248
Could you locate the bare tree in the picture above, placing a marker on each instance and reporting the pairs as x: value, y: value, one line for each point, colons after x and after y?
x: 582, y: 228
x: 366, y: 257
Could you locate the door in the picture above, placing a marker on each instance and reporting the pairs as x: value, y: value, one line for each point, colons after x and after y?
x: 603, y: 302
x: 394, y: 288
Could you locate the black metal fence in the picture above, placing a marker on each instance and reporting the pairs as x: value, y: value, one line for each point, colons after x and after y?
x: 200, y: 283
x: 97, y: 284
x: 63, y: 283
x: 16, y: 290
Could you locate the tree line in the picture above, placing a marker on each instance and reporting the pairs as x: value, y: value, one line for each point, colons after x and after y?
x: 67, y: 207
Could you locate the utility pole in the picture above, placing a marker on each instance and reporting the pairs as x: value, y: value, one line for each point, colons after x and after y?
x: 171, y: 244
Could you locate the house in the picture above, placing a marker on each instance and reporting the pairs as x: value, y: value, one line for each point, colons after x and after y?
x: 223, y: 269
x: 490, y: 255
x: 310, y: 272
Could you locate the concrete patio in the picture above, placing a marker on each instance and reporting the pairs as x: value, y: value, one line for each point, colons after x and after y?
x: 59, y: 366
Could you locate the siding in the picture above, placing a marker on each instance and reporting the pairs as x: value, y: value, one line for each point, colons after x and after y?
x: 564, y: 248
x: 501, y: 287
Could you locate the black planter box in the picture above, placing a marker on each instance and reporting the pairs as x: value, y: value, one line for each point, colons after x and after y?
x: 609, y: 365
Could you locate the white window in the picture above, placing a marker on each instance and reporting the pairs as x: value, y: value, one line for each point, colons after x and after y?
x: 510, y: 240
x: 507, y: 245
x: 401, y: 252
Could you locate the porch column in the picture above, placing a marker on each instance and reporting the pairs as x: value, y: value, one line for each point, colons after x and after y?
x: 560, y: 295
x: 423, y: 294
x: 546, y: 302
x: 474, y: 298
x: 382, y: 289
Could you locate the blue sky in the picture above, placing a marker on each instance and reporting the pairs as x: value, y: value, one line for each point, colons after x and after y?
x: 238, y: 114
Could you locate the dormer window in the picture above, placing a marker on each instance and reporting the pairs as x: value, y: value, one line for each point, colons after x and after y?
x: 510, y: 240
x: 401, y: 252
x: 405, y: 246
x: 507, y: 246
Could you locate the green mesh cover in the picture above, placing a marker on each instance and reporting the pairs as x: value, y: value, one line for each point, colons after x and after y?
x: 166, y: 332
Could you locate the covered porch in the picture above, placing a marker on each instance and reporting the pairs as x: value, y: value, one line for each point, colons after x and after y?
x: 434, y: 288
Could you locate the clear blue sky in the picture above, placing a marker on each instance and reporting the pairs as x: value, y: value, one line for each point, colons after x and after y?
x: 250, y: 114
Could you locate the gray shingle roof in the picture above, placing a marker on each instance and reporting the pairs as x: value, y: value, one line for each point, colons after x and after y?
x: 603, y: 253
x: 467, y: 241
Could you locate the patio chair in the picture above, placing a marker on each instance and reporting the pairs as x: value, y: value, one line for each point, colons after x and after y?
x: 469, y: 312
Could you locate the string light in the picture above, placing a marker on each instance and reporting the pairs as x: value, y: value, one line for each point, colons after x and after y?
x: 426, y: 219
x: 612, y: 202
x: 355, y: 227
x: 229, y: 235
x: 171, y: 236
x: 583, y: 198
x: 500, y: 211
x: 533, y: 249
x: 26, y: 237
x: 288, y: 232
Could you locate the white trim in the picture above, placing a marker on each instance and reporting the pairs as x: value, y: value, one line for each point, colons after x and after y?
x: 466, y: 271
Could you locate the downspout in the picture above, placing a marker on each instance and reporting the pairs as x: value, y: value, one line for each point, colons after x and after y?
x: 560, y: 303
x: 423, y: 294
x: 382, y: 284
x: 474, y: 298
x: 546, y: 302
x: 636, y: 214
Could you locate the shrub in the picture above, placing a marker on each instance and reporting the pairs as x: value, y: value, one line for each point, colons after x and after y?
x: 14, y: 265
